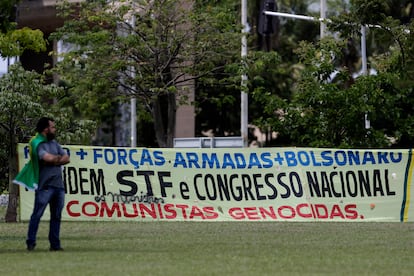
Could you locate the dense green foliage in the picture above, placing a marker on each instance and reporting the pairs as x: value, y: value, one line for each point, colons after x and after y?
x: 13, y: 42
x: 150, y: 50
x: 24, y: 98
x: 328, y: 102
x: 7, y: 15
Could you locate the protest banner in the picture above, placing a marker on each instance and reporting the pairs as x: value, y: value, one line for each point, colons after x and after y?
x: 260, y: 184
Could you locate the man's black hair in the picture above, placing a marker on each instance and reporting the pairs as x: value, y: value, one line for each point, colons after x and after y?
x: 43, y: 123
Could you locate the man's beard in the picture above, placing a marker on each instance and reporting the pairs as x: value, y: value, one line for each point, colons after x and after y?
x: 50, y: 136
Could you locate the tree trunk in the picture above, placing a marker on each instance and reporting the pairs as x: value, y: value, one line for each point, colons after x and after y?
x: 11, y: 213
x: 164, y: 132
x: 158, y: 123
x: 172, y: 108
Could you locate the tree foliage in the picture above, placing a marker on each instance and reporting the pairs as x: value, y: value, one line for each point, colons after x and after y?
x: 7, y: 15
x: 330, y: 103
x: 13, y: 42
x: 151, y: 50
x: 24, y: 98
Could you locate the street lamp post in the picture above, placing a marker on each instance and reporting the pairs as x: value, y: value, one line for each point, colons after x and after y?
x: 133, y: 102
x: 323, y: 16
x: 244, y: 98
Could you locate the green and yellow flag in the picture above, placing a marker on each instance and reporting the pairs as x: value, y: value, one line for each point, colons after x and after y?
x: 28, y: 177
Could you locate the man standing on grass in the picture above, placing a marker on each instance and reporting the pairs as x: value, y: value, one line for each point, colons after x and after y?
x: 49, y: 157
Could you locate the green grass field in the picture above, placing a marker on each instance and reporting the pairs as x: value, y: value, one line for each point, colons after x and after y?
x: 190, y: 248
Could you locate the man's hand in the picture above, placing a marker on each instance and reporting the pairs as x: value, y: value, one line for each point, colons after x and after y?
x: 64, y: 159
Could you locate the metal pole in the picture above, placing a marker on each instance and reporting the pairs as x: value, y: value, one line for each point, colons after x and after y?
x: 133, y: 102
x: 323, y: 16
x: 295, y: 16
x: 244, y: 99
x: 133, y: 122
x: 364, y: 65
x: 364, y: 50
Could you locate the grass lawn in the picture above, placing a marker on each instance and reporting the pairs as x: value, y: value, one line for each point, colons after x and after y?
x: 214, y: 248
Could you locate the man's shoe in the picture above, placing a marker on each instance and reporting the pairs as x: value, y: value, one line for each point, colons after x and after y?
x: 31, y: 247
x: 56, y: 249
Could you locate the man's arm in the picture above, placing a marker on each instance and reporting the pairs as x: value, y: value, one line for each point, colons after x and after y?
x: 56, y: 160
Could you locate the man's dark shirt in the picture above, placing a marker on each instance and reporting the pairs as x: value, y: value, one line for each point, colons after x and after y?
x: 50, y: 175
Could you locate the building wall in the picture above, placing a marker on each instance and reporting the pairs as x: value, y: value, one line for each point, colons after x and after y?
x: 39, y: 14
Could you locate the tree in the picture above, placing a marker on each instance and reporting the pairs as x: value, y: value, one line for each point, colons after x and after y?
x: 217, y: 97
x: 150, y: 50
x: 273, y: 66
x: 24, y: 98
x: 327, y: 110
x: 14, y: 41
x: 7, y: 15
